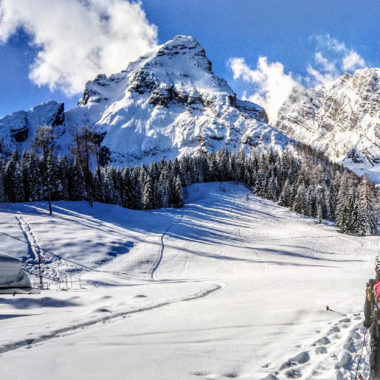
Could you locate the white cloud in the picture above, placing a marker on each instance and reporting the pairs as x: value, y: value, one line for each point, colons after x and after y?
x: 317, y: 77
x: 325, y: 41
x: 331, y: 59
x: 271, y: 84
x: 328, y: 66
x: 352, y: 61
x: 78, y: 39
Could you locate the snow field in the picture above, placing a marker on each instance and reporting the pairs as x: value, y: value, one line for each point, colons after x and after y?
x: 230, y: 286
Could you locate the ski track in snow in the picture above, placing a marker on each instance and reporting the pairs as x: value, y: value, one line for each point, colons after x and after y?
x: 162, y: 248
x: 72, y: 328
x: 52, y: 261
x: 35, y: 252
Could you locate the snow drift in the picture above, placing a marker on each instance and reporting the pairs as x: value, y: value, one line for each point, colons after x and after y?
x: 11, y: 273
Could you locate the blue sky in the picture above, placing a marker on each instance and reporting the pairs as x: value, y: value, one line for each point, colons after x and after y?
x: 283, y: 31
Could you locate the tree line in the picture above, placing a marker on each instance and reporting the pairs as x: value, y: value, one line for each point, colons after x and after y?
x: 299, y: 178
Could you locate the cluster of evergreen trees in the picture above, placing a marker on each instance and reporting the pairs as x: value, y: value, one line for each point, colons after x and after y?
x: 311, y: 186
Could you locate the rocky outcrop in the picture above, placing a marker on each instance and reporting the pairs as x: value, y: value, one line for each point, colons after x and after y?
x: 18, y: 128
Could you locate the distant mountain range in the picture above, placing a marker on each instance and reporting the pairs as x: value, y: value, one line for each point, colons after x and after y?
x: 169, y: 103
x: 341, y: 118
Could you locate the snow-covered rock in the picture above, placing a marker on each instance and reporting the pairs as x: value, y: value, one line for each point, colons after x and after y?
x: 11, y: 273
x: 168, y: 103
x: 341, y: 118
x: 18, y: 128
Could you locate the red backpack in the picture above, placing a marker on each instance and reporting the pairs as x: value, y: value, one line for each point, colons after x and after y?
x: 376, y: 293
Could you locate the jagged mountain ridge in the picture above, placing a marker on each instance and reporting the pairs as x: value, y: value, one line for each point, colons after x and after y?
x: 341, y: 118
x: 168, y: 103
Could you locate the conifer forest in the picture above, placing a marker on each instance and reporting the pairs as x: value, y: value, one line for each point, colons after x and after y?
x: 299, y: 178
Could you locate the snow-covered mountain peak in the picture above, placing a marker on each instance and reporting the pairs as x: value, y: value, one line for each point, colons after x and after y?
x: 169, y: 102
x: 185, y: 46
x: 341, y: 118
x: 178, y: 70
x: 166, y: 104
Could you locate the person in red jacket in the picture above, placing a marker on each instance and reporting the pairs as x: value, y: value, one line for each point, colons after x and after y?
x: 371, y: 320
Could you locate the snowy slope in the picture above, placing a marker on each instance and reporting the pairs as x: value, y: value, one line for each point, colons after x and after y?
x: 341, y: 118
x: 168, y: 103
x: 230, y: 286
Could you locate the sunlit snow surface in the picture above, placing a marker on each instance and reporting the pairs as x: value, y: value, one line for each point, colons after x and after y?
x: 230, y: 286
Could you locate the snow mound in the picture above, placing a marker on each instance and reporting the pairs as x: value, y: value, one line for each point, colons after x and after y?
x: 11, y: 273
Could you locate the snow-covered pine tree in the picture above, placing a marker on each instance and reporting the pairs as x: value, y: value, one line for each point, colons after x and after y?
x: 239, y: 166
x: 299, y: 204
x: 273, y: 188
x: 319, y: 203
x: 164, y: 188
x: 342, y: 211
x: 77, y: 190
x: 19, y: 188
x: 2, y: 192
x: 109, y: 185
x: 203, y: 167
x: 83, y: 149
x: 11, y: 179
x: 223, y: 160
x: 213, y: 169
x: 25, y: 174
x: 353, y: 209
x: 285, y: 198
x: 43, y: 143
x: 367, y: 221
x: 197, y: 170
x: 126, y: 187
x: 261, y: 182
x: 177, y: 193
x: 185, y: 170
x: 136, y: 191
x: 147, y: 192
x: 63, y: 170
x: 55, y: 177
x: 330, y: 203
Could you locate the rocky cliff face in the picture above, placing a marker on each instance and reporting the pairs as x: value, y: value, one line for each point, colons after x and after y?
x: 168, y: 103
x: 18, y: 128
x: 341, y: 118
